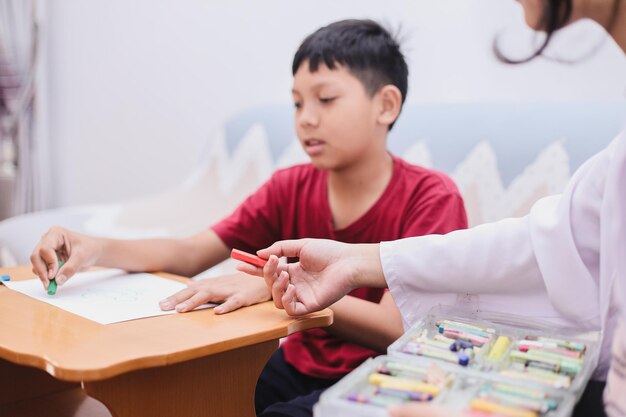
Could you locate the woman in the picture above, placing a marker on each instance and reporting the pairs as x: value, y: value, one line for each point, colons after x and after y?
x: 570, y: 249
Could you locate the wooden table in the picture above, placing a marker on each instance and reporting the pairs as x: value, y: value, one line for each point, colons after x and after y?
x: 192, y: 364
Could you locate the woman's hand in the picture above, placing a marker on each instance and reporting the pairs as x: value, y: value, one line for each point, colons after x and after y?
x: 325, y: 272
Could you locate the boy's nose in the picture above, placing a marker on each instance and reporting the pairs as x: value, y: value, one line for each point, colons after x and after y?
x: 307, y: 117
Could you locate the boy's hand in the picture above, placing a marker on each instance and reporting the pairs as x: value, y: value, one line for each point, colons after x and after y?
x: 325, y: 272
x: 233, y: 291
x: 422, y: 410
x: 77, y: 252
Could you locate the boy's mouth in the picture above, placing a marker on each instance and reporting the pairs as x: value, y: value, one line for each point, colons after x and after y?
x: 313, y: 146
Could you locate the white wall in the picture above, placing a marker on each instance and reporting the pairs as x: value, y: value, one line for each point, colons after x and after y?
x: 136, y: 88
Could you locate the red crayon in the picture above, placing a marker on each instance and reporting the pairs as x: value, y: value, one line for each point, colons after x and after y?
x: 248, y: 258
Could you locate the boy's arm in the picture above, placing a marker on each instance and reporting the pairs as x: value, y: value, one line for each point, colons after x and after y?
x: 252, y: 225
x: 185, y: 257
x: 369, y: 324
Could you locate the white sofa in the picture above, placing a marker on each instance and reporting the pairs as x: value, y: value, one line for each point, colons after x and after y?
x: 503, y: 157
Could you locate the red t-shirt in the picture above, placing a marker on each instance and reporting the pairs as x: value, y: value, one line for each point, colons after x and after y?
x: 293, y: 204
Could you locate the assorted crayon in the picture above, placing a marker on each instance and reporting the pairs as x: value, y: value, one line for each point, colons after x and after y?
x: 551, y: 361
x: 481, y: 370
x: 396, y: 383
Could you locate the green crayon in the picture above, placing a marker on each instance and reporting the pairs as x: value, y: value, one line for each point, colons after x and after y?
x: 52, y: 287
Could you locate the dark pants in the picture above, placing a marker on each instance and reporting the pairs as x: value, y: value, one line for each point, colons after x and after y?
x: 283, y: 391
x: 590, y: 404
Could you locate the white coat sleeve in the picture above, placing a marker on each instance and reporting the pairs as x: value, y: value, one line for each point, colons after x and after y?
x: 494, y: 258
x: 541, y: 252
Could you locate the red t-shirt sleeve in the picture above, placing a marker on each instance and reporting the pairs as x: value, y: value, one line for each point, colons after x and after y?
x: 436, y: 209
x: 255, y: 224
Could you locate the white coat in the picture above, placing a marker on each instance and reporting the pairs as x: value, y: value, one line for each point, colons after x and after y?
x: 559, y: 263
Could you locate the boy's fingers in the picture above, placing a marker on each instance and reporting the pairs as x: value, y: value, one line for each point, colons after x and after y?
x: 44, y: 261
x: 67, y: 270
x: 45, y: 258
x: 40, y: 268
x: 231, y: 304
x: 49, y: 257
x: 170, y: 302
x: 249, y: 269
x: 192, y: 302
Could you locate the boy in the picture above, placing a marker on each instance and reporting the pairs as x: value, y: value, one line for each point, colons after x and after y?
x: 350, y: 81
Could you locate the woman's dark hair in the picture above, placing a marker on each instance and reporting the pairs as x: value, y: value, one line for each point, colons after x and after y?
x: 556, y: 14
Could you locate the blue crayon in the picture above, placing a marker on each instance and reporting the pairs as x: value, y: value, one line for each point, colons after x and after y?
x: 5, y: 277
x: 463, y: 359
x: 459, y: 345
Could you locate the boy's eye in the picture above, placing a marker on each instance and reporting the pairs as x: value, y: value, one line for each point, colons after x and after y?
x: 326, y: 100
x: 297, y: 104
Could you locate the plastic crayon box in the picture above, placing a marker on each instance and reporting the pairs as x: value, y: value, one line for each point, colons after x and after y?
x: 381, y: 382
x: 385, y: 380
x: 515, y: 348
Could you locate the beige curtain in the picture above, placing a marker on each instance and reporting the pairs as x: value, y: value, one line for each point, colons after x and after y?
x: 19, y: 151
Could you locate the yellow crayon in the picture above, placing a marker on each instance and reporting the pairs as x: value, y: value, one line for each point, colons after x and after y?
x: 491, y: 407
x: 386, y: 381
x: 497, y: 350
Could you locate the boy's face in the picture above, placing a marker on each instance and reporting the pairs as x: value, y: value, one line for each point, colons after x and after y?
x: 336, y: 120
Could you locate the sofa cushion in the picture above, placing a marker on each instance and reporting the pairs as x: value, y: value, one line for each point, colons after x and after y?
x: 503, y: 157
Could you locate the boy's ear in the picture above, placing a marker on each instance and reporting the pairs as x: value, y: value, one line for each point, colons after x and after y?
x: 390, y: 99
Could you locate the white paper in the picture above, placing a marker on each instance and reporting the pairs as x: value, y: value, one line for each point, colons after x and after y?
x: 107, y: 296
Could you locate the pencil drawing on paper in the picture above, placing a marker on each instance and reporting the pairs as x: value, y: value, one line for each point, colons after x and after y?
x: 114, y: 294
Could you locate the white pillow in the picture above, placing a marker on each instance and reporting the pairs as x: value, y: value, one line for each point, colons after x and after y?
x: 211, y: 192
x: 487, y: 200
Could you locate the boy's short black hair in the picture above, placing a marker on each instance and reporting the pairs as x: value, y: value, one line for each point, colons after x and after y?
x: 364, y: 47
